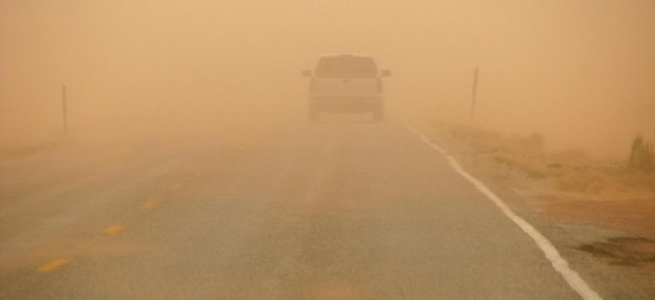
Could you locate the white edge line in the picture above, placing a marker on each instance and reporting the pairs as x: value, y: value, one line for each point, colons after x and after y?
x: 551, y: 253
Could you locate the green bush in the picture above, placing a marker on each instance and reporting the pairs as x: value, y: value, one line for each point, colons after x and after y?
x: 641, y: 156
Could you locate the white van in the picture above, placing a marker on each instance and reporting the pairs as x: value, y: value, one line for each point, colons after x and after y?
x: 346, y: 83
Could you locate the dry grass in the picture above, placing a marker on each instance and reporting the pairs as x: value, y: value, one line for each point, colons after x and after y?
x: 569, y: 171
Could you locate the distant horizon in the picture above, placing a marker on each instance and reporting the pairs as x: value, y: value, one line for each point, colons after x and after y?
x: 581, y: 73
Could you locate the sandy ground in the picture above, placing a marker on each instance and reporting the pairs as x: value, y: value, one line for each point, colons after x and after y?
x: 636, y: 216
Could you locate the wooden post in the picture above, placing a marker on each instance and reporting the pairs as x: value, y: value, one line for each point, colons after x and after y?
x: 475, y: 91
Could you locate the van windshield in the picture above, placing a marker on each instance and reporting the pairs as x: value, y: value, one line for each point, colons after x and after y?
x: 346, y: 65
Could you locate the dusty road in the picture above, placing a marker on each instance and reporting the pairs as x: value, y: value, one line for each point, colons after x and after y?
x: 335, y: 210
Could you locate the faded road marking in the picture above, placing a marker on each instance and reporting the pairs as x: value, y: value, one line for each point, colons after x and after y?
x: 559, y: 263
x: 150, y: 205
x: 114, y: 230
x: 53, y: 265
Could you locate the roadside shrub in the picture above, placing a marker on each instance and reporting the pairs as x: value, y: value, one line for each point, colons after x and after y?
x: 641, y: 156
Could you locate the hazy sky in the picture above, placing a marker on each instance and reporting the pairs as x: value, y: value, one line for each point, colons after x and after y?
x: 580, y: 71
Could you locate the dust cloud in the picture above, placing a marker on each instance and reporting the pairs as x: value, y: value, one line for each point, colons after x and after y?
x: 581, y: 72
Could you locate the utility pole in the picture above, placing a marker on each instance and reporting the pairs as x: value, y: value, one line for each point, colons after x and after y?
x: 64, y: 111
x: 475, y: 91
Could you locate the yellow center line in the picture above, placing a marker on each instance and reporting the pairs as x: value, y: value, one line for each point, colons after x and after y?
x: 150, y: 205
x: 53, y: 265
x: 114, y: 230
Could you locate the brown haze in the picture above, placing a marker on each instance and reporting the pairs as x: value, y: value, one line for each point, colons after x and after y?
x: 582, y: 72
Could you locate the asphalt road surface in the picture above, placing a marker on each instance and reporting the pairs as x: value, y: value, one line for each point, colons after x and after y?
x: 334, y: 210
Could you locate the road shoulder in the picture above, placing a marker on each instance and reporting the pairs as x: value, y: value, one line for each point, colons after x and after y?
x: 608, y: 240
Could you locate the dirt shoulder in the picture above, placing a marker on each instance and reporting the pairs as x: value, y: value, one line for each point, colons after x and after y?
x: 566, y: 186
